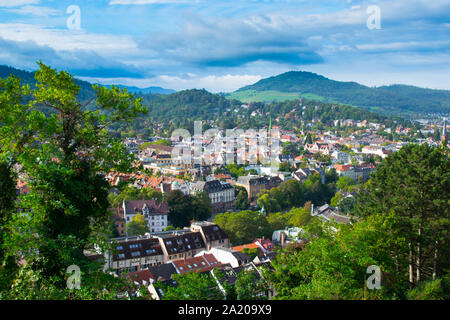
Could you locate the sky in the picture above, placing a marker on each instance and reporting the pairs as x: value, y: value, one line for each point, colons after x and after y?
x: 224, y: 45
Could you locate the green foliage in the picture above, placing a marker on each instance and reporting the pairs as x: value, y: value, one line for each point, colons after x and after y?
x: 192, y: 286
x: 244, y: 226
x: 137, y: 226
x: 414, y: 184
x: 293, y: 193
x: 242, y: 202
x: 250, y: 286
x: 285, y: 167
x: 430, y: 290
x: 394, y: 98
x: 184, y: 208
x: 130, y: 193
x: 68, y: 193
x: 333, y: 265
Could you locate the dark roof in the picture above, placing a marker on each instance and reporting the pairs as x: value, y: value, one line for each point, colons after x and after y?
x: 211, y: 186
x: 241, y: 257
x: 154, y: 207
x: 162, y: 271
x: 145, y: 247
x: 252, y: 180
x: 183, y: 242
x: 213, y: 233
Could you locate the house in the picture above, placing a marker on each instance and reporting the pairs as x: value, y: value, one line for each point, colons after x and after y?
x: 254, y: 184
x: 303, y: 174
x: 181, y: 244
x: 221, y: 193
x: 134, y: 254
x: 201, y: 263
x: 363, y: 171
x: 228, y: 256
x: 345, y: 170
x: 155, y: 213
x: 212, y: 234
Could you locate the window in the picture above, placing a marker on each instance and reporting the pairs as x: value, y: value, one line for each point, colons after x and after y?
x: 135, y: 246
x: 181, y: 268
x: 195, y: 265
x: 121, y: 255
x: 119, y: 248
x: 203, y: 263
x: 150, y: 251
x: 135, y: 254
x: 189, y: 266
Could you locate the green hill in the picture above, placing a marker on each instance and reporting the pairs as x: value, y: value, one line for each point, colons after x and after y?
x: 394, y: 99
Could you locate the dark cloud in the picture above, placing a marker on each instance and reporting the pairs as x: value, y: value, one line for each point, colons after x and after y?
x: 232, y: 43
x: 25, y: 54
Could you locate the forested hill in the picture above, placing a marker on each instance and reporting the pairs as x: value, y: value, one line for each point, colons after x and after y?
x: 181, y: 109
x: 26, y: 77
x: 396, y: 99
x: 86, y: 91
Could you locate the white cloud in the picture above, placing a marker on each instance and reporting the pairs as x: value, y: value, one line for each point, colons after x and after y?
x: 17, y: 3
x: 68, y: 40
x: 35, y: 11
x: 126, y: 2
x: 212, y: 83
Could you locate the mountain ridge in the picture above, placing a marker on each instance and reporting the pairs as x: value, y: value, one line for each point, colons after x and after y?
x: 395, y: 98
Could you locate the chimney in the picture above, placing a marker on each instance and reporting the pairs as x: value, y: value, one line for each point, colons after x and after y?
x: 283, y: 239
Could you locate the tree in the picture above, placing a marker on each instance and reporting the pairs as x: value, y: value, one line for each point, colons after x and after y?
x: 192, y: 286
x: 414, y: 184
x: 241, y: 202
x: 184, y: 208
x: 137, y: 226
x: 299, y: 217
x: 244, y: 226
x: 202, y: 207
x: 62, y: 149
x: 291, y: 148
x: 333, y: 265
x: 250, y: 286
x: 180, y: 208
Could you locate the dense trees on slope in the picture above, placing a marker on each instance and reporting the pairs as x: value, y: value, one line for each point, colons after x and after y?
x: 402, y: 229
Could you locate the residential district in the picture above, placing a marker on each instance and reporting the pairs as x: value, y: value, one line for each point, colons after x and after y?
x: 154, y: 255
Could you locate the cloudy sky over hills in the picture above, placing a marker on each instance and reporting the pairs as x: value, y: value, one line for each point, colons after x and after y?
x: 224, y: 45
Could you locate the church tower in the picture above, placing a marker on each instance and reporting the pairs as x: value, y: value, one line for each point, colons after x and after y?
x: 444, y: 133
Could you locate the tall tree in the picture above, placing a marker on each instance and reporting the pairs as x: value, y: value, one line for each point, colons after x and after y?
x: 414, y: 184
x: 63, y: 150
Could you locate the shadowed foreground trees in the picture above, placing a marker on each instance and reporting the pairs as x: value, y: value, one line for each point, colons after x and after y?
x: 62, y: 154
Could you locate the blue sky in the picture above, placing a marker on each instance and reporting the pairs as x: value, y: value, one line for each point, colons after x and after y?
x: 224, y: 45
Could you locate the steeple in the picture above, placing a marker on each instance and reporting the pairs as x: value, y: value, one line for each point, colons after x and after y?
x: 444, y: 133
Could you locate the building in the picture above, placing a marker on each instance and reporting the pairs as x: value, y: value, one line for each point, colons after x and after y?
x: 201, y: 263
x: 303, y: 174
x: 134, y: 254
x: 345, y: 171
x: 255, y: 184
x: 212, y: 234
x: 155, y: 213
x: 221, y: 193
x: 228, y: 256
x: 180, y: 244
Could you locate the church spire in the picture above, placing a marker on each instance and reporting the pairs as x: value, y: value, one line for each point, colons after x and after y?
x: 444, y: 133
